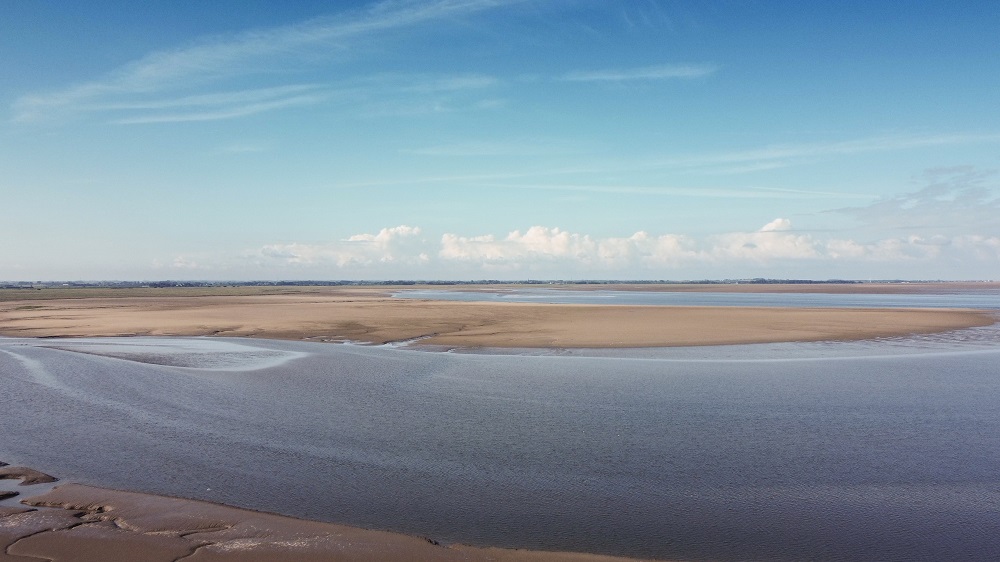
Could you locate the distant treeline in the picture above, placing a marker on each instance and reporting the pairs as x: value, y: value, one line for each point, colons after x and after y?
x: 321, y: 283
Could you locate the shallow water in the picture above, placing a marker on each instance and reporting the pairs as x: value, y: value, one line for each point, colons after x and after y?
x: 883, y: 450
x: 977, y: 298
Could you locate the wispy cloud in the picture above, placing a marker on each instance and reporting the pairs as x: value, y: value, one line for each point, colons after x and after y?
x: 214, y: 99
x: 227, y: 111
x: 783, y: 155
x: 855, y: 146
x: 220, y: 57
x: 453, y: 83
x: 408, y: 94
x: 509, y: 181
x: 961, y: 199
x: 658, y: 72
x: 677, y: 191
x: 522, y: 147
x: 579, y: 177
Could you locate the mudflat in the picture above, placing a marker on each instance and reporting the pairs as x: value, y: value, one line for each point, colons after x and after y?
x: 371, y: 315
x: 82, y: 524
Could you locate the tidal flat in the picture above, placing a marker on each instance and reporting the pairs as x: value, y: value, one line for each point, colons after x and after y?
x: 883, y: 448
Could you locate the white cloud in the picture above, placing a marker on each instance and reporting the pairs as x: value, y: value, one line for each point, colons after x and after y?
x: 542, y: 244
x: 772, y: 242
x: 913, y: 248
x: 181, y: 262
x: 537, y: 242
x: 981, y: 247
x: 389, y: 245
x: 386, y: 236
x: 548, y: 252
x: 776, y: 225
x: 178, y: 263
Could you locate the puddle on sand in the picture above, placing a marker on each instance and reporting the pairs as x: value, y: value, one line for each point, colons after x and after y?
x: 23, y: 492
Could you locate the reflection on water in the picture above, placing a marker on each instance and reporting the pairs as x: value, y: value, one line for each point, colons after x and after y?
x: 199, y: 353
x: 862, y: 450
x: 23, y: 492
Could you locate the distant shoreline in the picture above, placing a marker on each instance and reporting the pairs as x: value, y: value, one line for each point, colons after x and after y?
x: 79, y: 289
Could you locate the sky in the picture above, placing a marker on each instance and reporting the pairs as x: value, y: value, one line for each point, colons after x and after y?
x: 489, y: 139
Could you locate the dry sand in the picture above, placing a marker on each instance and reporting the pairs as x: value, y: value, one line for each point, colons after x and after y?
x: 370, y: 315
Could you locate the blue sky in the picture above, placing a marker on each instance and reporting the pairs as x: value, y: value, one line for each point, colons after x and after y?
x: 472, y: 139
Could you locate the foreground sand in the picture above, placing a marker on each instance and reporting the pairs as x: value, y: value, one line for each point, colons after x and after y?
x: 74, y: 523
x: 370, y: 315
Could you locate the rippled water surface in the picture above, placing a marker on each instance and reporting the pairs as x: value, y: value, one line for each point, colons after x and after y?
x: 883, y: 450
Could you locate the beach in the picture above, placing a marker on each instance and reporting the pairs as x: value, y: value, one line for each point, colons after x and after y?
x: 78, y: 522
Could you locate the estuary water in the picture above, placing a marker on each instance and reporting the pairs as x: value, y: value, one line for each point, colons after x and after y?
x: 885, y: 450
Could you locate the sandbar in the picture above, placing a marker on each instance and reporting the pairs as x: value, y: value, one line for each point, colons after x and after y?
x: 371, y: 315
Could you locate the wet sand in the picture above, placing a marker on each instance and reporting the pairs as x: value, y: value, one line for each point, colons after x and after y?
x: 87, y: 524
x: 370, y: 315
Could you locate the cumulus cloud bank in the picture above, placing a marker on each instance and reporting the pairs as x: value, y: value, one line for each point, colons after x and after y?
x: 540, y: 243
x: 389, y: 245
x: 558, y: 253
x: 949, y: 226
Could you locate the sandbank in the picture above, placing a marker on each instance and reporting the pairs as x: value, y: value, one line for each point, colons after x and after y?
x: 371, y: 315
x: 83, y: 523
